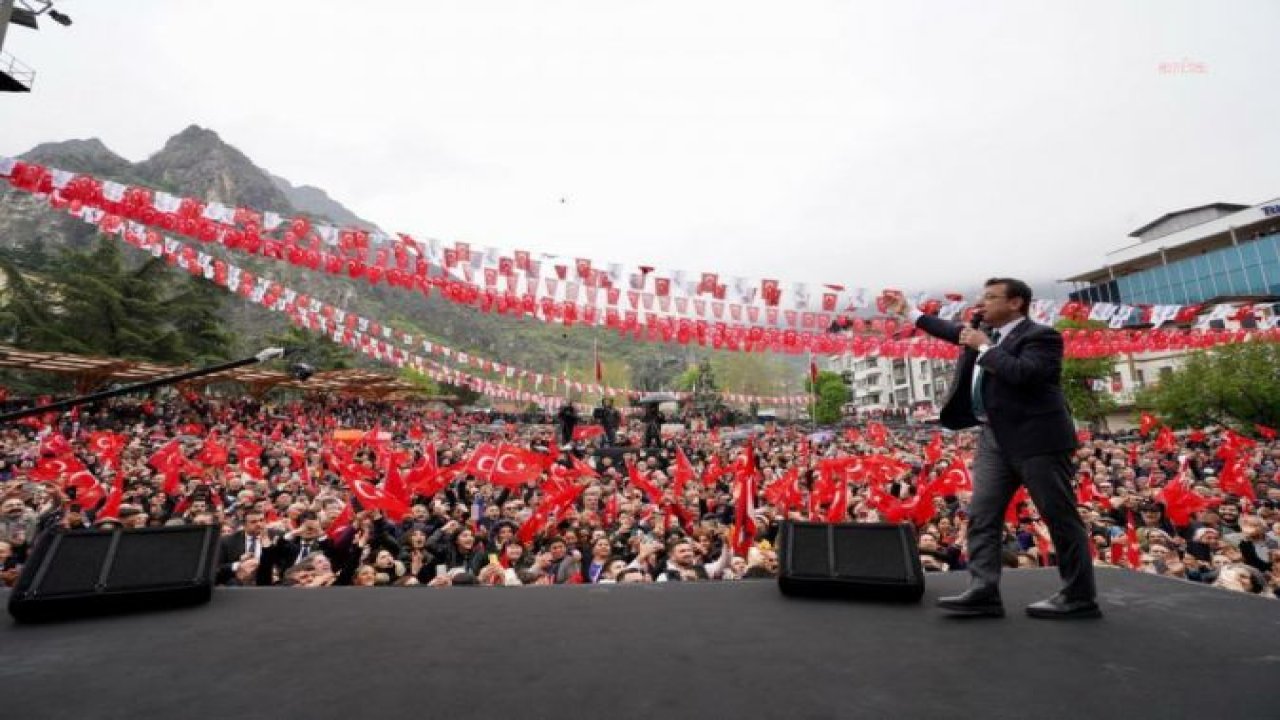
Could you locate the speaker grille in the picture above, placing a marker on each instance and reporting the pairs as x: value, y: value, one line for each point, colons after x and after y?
x: 870, y: 553
x: 75, y: 565
x: 161, y: 558
x: 809, y: 555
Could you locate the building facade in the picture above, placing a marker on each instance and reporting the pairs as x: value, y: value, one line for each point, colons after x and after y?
x: 1212, y: 254
x: 911, y: 387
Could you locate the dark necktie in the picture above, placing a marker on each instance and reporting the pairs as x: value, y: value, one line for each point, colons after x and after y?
x: 253, y: 546
x: 306, y: 550
x: 979, y: 407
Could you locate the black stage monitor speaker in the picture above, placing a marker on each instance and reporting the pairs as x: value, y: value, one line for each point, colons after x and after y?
x: 873, y: 561
x: 95, y: 572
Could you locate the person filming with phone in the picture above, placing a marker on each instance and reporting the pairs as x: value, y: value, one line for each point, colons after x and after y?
x: 1008, y: 382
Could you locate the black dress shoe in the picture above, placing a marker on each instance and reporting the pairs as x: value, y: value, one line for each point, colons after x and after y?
x: 973, y: 602
x: 1059, y: 607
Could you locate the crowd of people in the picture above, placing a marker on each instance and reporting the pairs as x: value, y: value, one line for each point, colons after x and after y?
x: 322, y: 492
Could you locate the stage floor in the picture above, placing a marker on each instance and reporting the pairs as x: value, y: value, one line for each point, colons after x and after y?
x: 724, y: 650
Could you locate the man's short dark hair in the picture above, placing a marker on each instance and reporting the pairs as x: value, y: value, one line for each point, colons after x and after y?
x: 1014, y: 288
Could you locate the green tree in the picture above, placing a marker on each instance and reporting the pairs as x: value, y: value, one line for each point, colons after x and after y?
x: 653, y: 370
x: 749, y: 373
x: 314, y: 349
x: 465, y: 395
x: 106, y: 308
x: 1086, y: 403
x: 1078, y: 375
x: 195, y: 310
x: 832, y: 395
x: 27, y: 319
x: 1229, y: 385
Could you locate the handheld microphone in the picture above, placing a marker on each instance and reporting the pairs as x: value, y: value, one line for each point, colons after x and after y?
x: 975, y: 321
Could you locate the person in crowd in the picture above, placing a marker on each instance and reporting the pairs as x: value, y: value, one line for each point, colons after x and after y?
x: 567, y: 418
x: 456, y: 547
x: 653, y: 420
x: 288, y: 492
x: 610, y: 419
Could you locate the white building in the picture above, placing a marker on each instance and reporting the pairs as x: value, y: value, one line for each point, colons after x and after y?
x: 916, y: 385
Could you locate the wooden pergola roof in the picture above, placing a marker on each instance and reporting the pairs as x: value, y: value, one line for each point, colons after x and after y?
x: 92, y: 372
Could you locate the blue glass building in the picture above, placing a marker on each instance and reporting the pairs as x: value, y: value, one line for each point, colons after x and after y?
x: 1212, y: 253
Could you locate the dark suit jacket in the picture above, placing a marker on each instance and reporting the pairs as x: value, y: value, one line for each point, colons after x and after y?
x: 1021, y: 389
x: 230, y: 551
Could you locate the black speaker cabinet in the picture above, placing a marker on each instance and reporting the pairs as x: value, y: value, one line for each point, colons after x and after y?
x: 872, y: 561
x: 95, y: 572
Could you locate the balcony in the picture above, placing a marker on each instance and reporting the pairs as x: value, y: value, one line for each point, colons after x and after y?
x: 15, y: 76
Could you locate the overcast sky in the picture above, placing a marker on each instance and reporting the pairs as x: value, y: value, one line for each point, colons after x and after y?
x: 912, y: 143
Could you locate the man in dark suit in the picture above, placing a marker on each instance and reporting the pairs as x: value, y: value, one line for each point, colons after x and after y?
x: 609, y: 419
x: 246, y: 544
x: 567, y: 418
x: 1008, y: 382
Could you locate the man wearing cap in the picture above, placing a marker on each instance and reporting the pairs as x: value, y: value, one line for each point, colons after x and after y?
x: 1008, y: 382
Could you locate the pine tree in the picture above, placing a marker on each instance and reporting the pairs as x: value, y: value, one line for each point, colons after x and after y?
x: 196, y: 312
x: 108, y: 309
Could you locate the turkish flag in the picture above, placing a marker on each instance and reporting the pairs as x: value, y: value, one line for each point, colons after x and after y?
x: 744, y: 525
x: 340, y: 523
x: 877, y: 434
x: 107, y: 445
x: 213, y: 452
x: 682, y: 474
x: 642, y: 484
x: 50, y: 469
x: 373, y: 497
x: 169, y: 455
x: 933, y: 451
x: 55, y: 444
x: 1181, y: 504
x: 586, y: 432
x: 1147, y: 423
x: 395, y: 484
x: 505, y: 465
x: 88, y: 492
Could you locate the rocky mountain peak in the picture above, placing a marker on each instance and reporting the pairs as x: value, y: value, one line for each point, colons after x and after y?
x: 88, y: 156
x: 200, y: 163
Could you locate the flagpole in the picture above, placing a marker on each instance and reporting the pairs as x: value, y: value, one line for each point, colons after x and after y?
x: 492, y: 466
x: 813, y: 393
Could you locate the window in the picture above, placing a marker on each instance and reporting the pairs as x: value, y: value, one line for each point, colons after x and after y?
x: 1138, y: 378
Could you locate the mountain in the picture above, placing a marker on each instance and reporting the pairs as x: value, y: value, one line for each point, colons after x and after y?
x: 314, y: 201
x: 87, y: 156
x: 198, y: 163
